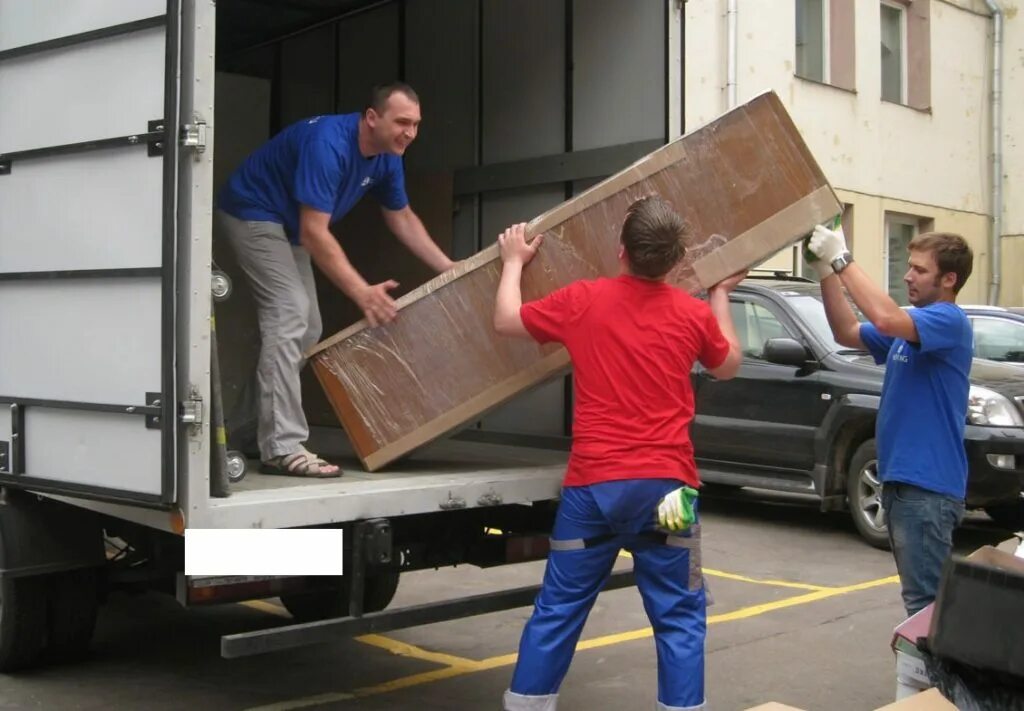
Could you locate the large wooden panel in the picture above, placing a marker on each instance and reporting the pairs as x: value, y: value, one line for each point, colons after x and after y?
x: 746, y: 185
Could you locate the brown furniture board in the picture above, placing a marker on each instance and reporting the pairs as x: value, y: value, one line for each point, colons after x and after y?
x: 746, y: 185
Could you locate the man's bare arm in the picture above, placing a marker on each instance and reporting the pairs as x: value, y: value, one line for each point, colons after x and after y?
x: 408, y: 228
x: 516, y: 253
x: 890, y: 320
x: 329, y: 257
x: 878, y: 306
x: 841, y: 318
x: 718, y: 299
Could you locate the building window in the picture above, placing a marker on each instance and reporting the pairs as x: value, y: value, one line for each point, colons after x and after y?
x: 894, y: 67
x: 905, y: 32
x: 825, y: 41
x: 810, y: 39
x: 899, y: 230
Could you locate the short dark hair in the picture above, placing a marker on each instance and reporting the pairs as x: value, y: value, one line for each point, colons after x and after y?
x: 952, y: 254
x: 382, y: 92
x: 652, y: 235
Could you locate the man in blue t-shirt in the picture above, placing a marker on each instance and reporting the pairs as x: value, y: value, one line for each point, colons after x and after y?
x: 276, y: 210
x: 920, y: 429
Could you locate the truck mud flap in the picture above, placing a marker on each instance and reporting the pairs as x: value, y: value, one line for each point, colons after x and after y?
x: 290, y: 636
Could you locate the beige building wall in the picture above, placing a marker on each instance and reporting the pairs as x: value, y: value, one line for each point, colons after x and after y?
x: 1012, y: 291
x: 882, y: 157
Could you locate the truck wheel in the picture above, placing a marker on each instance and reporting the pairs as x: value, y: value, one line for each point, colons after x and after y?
x: 864, y: 496
x: 326, y: 604
x: 22, y: 622
x: 1008, y: 516
x: 74, y: 601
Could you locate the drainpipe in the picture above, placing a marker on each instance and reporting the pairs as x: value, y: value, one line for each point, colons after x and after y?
x: 995, y: 246
x: 730, y: 66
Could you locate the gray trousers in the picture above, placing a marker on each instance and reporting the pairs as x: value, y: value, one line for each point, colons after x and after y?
x: 281, y: 278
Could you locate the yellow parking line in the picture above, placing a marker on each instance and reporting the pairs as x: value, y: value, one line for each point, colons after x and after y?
x: 467, y: 666
x: 758, y: 581
x: 267, y: 607
x: 404, y: 649
x: 745, y: 579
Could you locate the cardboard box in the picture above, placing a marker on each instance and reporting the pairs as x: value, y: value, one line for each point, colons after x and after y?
x: 746, y: 185
x: 911, y: 669
x: 930, y: 700
x: 979, y: 612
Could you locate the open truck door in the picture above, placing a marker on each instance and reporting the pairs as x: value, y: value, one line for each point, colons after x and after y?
x: 90, y: 143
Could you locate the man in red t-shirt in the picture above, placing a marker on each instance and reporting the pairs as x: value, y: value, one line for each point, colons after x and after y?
x: 633, y: 341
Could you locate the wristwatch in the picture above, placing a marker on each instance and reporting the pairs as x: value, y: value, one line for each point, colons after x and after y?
x: 841, y: 262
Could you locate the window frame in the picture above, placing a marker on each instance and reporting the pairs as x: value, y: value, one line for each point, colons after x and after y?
x: 750, y: 301
x: 891, y: 219
x: 995, y: 319
x: 904, y: 53
x: 826, y: 45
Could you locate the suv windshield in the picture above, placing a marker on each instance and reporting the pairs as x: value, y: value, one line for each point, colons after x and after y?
x: 811, y: 309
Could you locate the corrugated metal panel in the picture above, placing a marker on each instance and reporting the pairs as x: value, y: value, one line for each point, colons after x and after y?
x: 368, y: 54
x: 441, y: 63
x: 307, y: 78
x: 523, y: 79
x: 618, y: 72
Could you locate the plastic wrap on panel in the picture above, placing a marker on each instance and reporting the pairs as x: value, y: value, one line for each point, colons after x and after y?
x: 746, y: 185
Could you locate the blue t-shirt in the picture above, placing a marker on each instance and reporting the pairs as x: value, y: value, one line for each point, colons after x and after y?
x: 315, y: 162
x: 920, y: 429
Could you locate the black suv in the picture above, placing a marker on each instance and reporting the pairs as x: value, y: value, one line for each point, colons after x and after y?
x: 800, y: 415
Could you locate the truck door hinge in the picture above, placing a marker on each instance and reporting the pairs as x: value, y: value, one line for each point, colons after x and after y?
x: 190, y: 412
x: 193, y: 135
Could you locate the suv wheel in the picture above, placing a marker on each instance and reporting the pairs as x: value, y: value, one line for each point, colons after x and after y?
x: 864, y: 496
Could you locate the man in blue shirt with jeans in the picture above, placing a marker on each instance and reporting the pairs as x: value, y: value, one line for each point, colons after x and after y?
x: 276, y: 210
x: 920, y: 429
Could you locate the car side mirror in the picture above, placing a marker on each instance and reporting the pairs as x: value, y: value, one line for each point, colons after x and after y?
x: 786, y: 351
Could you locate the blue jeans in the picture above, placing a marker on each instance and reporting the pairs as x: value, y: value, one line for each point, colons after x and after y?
x: 921, y: 525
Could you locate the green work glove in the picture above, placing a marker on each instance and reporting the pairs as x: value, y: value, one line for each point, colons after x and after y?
x: 821, y: 266
x: 675, y: 511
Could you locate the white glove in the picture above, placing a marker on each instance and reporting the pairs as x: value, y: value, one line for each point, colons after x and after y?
x: 675, y: 511
x: 827, y: 244
x: 823, y: 268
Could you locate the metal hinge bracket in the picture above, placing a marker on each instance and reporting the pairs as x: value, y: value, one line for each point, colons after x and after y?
x: 193, y: 135
x: 190, y: 412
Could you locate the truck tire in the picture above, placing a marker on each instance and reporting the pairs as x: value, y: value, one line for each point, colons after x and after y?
x: 378, y: 592
x: 23, y: 627
x: 74, y: 601
x: 864, y: 496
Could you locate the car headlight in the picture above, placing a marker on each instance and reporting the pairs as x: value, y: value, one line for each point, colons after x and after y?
x: 987, y: 407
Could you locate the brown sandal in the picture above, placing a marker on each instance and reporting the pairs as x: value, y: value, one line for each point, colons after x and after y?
x: 300, y: 464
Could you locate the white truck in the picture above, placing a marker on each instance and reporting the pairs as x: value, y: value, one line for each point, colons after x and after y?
x: 109, y: 114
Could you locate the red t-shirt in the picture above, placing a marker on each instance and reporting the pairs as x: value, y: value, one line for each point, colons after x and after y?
x: 633, y: 343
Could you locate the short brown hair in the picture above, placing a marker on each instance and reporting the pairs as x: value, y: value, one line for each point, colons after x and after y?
x: 952, y: 254
x: 382, y: 92
x: 652, y: 235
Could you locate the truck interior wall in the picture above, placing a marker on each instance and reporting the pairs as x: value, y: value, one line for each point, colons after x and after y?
x: 618, y: 73
x: 242, y: 124
x: 442, y: 60
x: 523, y: 116
x: 308, y: 73
x: 492, y: 77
